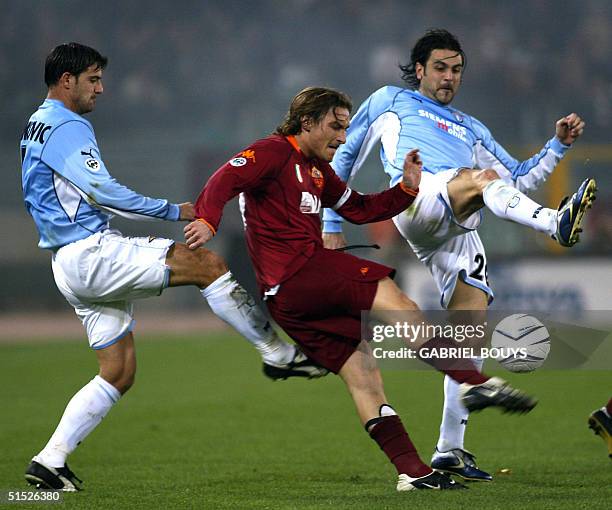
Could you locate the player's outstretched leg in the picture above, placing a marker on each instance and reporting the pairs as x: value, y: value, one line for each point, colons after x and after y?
x: 570, y: 213
x: 384, y: 426
x: 600, y: 422
x: 233, y: 304
x: 507, y: 202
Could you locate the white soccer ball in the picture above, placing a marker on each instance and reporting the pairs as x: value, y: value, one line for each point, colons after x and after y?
x: 523, y: 343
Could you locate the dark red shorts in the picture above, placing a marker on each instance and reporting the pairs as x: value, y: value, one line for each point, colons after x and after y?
x: 320, y: 306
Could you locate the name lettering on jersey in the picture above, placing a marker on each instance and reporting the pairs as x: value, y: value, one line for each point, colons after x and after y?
x: 310, y: 204
x: 317, y: 177
x: 446, y: 125
x: 298, y: 174
x: 35, y: 131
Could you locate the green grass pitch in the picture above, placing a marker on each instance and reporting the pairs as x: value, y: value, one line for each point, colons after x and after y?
x: 203, y: 428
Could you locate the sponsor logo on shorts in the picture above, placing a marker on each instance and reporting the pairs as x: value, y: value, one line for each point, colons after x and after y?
x: 238, y: 161
x: 364, y: 270
x: 93, y: 164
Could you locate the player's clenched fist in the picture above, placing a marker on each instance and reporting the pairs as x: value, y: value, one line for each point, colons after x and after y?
x: 197, y: 233
x: 412, y: 169
x: 569, y: 128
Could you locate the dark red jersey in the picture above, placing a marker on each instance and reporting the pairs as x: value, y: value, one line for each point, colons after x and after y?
x: 284, y: 192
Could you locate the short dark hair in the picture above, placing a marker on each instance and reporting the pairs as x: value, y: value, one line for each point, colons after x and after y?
x: 313, y: 102
x: 73, y: 58
x: 434, y: 39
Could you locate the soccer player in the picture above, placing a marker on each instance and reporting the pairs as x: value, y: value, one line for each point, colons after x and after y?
x: 600, y: 422
x: 441, y: 224
x: 316, y: 295
x: 71, y: 197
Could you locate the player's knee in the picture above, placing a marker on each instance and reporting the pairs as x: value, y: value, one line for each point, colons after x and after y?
x: 484, y: 177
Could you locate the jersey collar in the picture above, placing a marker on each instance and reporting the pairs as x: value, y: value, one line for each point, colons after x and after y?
x: 291, y: 139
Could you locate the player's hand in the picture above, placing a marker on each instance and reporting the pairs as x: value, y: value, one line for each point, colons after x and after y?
x: 412, y: 169
x: 186, y: 211
x: 334, y: 241
x: 197, y: 233
x: 569, y: 128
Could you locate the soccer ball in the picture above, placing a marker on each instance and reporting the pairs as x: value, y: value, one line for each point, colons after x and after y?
x: 523, y: 343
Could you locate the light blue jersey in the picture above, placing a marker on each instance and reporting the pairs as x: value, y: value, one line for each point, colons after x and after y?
x: 67, y: 189
x: 403, y: 119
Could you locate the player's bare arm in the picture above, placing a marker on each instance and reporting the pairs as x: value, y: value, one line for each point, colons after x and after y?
x: 186, y: 211
x: 569, y: 128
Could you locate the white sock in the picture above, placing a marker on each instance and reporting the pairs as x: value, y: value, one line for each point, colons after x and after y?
x: 232, y: 303
x: 509, y: 203
x: 454, y: 415
x: 83, y: 413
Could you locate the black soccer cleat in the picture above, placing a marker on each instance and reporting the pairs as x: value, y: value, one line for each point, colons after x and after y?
x: 434, y: 480
x: 45, y: 477
x: 570, y: 213
x: 495, y: 393
x: 601, y: 424
x: 459, y: 462
x: 300, y: 366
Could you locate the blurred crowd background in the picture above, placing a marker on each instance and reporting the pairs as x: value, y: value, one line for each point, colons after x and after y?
x: 189, y: 83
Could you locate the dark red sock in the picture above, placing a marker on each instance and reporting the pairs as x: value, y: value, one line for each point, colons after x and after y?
x: 461, y: 370
x: 609, y: 407
x: 393, y: 439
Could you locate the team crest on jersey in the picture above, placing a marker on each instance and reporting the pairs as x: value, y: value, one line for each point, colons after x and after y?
x: 317, y: 177
x: 458, y: 116
x: 240, y: 161
x: 93, y: 164
x: 298, y: 174
x: 310, y: 204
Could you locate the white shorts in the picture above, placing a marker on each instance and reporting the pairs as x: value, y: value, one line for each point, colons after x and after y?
x: 448, y: 248
x: 102, y: 274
